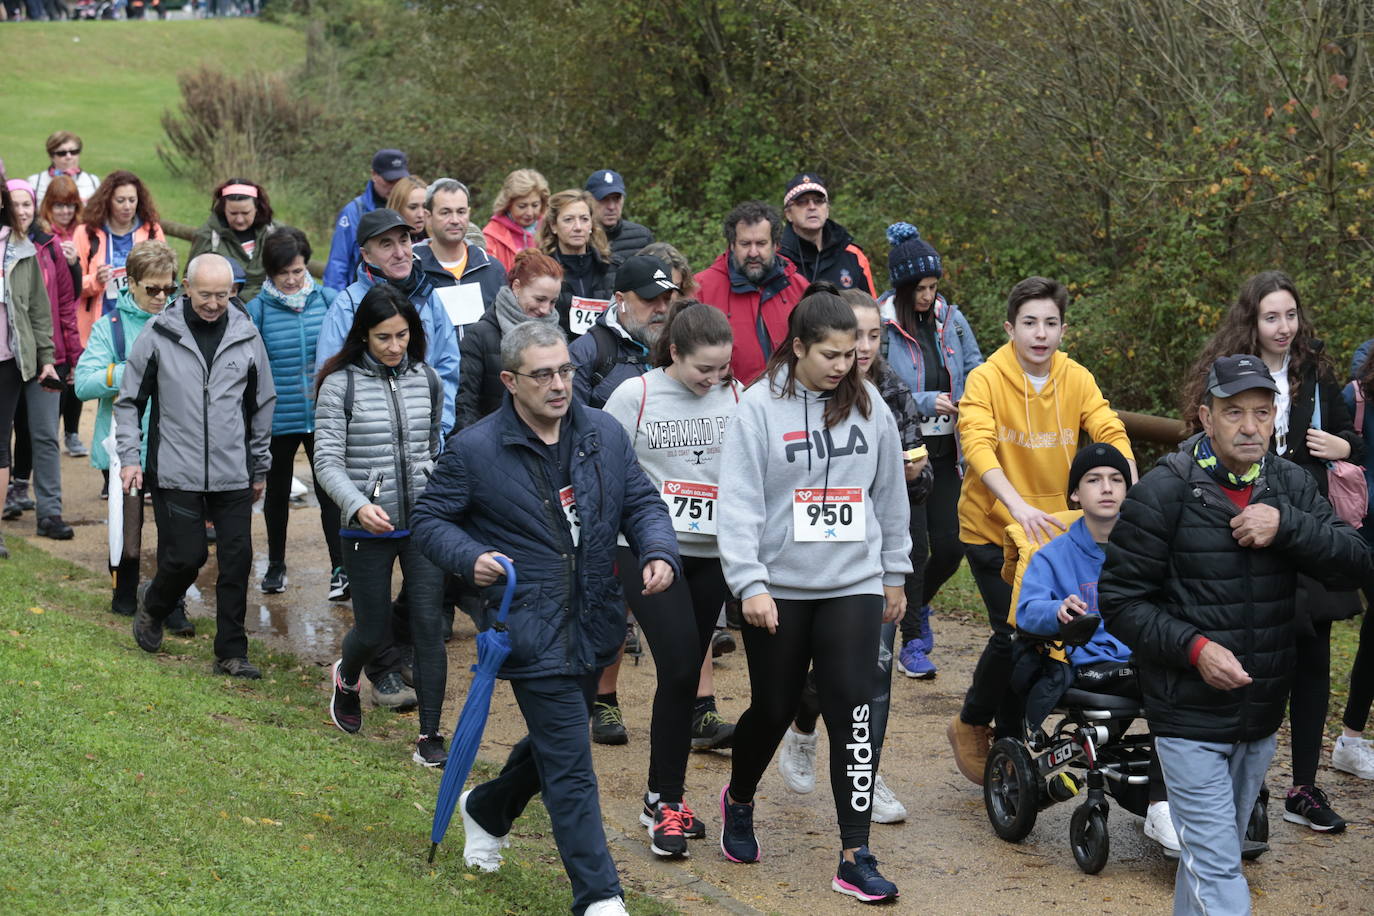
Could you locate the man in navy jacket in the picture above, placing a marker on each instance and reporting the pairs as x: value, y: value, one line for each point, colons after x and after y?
x: 549, y: 484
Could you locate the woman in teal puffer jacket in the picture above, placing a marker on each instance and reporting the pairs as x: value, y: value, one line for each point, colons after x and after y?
x: 288, y: 313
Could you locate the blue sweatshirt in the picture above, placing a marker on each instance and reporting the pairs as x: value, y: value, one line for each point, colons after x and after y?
x: 1067, y: 565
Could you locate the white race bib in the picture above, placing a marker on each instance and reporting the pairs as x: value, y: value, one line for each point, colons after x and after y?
x: 582, y: 313
x: 938, y: 425
x: 118, y: 281
x: 463, y: 303
x: 833, y: 514
x: 692, y: 505
x: 568, y: 500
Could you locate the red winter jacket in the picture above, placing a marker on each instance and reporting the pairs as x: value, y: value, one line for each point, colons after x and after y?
x: 742, y: 302
x: 57, y: 279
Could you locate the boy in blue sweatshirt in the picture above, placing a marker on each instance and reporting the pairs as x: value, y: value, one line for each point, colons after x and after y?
x: 1060, y: 583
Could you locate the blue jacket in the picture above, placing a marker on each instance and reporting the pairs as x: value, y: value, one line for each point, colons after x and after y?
x: 1367, y: 432
x: 482, y: 269
x: 1067, y: 565
x: 290, y: 338
x: 958, y: 348
x: 441, y: 353
x: 568, y: 613
x: 343, y: 250
x: 593, y: 383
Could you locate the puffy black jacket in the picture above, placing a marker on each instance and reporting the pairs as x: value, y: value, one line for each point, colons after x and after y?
x: 1173, y: 572
x: 568, y: 612
x: 627, y: 238
x: 839, y: 260
x: 587, y: 276
x: 479, y: 371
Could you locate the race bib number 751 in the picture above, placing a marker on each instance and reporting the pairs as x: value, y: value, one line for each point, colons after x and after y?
x: 691, y: 505
x: 829, y: 514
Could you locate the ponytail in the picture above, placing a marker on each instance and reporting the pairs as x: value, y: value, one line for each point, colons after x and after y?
x: 690, y: 325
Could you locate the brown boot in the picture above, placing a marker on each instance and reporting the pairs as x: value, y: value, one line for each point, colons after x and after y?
x: 971, y: 744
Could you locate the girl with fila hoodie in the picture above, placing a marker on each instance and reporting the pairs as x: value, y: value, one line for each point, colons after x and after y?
x: 814, y: 540
x: 676, y: 416
x: 1018, y: 425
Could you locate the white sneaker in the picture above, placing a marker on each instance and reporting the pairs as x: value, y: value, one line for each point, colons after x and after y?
x: 1353, y: 755
x: 480, y: 848
x: 797, y: 761
x: 1160, y: 828
x: 608, y: 907
x: 886, y: 808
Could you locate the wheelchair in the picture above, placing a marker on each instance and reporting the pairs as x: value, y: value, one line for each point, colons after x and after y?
x: 1089, y: 753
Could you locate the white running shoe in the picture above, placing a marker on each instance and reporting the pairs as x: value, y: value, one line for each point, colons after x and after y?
x: 886, y: 808
x: 797, y: 761
x: 1353, y: 755
x: 1160, y: 828
x: 611, y: 906
x: 480, y: 848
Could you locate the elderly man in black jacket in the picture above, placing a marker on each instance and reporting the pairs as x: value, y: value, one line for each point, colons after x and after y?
x: 1200, y: 581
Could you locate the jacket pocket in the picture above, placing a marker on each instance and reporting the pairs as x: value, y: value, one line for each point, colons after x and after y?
x: 531, y: 636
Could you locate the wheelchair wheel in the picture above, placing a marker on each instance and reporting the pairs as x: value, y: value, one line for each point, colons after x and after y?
x: 1088, y: 838
x: 1011, y: 790
x: 1259, y: 818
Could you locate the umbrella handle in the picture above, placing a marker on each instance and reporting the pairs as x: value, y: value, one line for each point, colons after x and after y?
x: 509, y: 593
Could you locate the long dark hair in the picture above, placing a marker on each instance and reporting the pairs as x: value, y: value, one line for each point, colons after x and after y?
x: 97, y: 209
x: 820, y: 312
x: 382, y: 301
x: 262, y: 205
x: 691, y: 325
x: 1239, y: 333
x: 858, y: 299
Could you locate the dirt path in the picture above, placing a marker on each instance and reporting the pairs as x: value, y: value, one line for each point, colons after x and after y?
x: 945, y: 857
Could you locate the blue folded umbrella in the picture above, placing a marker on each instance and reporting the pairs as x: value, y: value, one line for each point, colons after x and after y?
x: 493, y: 646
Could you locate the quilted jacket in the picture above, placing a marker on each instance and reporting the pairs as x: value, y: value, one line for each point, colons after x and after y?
x: 568, y: 613
x: 290, y: 339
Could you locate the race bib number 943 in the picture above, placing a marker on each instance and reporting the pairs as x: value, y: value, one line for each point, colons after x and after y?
x: 582, y: 313
x: 691, y: 505
x: 832, y: 514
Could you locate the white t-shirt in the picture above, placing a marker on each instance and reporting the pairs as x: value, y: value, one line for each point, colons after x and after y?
x: 1283, y: 403
x: 1038, y: 381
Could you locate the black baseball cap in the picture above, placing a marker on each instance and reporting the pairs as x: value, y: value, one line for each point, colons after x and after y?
x: 391, y: 164
x: 605, y: 182
x: 1230, y: 375
x: 375, y: 222
x: 645, y: 276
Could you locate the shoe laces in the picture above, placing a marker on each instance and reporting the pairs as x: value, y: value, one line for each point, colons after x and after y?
x: 741, y: 819
x: 1314, y: 796
x: 670, y: 820
x: 606, y: 714
x: 710, y: 718
x: 881, y: 793
x: 342, y: 684
x: 688, y: 814
x: 866, y: 864
x: 435, y: 739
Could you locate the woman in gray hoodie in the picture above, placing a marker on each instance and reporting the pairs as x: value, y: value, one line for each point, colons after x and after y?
x: 814, y: 540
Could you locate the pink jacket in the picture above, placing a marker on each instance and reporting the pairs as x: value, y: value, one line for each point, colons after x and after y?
x: 57, y: 277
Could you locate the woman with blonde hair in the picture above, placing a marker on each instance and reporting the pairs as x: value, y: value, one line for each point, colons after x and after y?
x: 577, y: 242
x: 407, y: 198
x: 515, y: 215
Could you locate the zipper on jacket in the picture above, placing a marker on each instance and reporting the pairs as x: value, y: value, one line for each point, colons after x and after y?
x: 205, y: 422
x: 402, y: 459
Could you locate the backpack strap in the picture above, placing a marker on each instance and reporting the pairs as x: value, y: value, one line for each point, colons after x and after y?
x: 1359, y: 409
x: 605, y: 354
x: 117, y: 335
x: 643, y: 399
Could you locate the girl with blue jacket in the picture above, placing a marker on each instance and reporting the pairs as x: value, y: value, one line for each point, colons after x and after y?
x: 378, y: 410
x: 288, y: 312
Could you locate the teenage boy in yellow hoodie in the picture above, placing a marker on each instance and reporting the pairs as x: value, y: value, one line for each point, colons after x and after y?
x: 1019, y: 421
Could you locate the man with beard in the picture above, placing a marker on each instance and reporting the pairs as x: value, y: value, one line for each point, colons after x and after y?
x: 753, y: 285
x: 617, y: 347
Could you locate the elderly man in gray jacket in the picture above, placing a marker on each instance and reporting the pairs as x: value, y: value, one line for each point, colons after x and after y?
x: 201, y: 370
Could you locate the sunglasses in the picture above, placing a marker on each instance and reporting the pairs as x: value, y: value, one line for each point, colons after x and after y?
x: 67, y: 152
x: 167, y: 291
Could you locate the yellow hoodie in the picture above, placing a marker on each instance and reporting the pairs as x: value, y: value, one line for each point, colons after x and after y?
x: 1004, y: 423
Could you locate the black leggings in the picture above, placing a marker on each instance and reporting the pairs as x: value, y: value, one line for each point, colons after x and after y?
x: 1362, y: 671
x: 934, y: 527
x: 809, y: 710
x: 838, y: 635
x: 677, y: 624
x: 11, y: 389
x: 1307, y: 704
x: 276, y: 504
x: 71, y: 411
x: 990, y: 696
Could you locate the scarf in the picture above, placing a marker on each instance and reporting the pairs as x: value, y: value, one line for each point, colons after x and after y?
x: 294, y: 301
x: 1208, y: 461
x: 509, y: 314
x: 416, y: 285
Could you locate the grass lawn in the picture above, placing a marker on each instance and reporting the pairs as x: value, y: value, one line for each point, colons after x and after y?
x: 110, y: 82
x: 140, y: 783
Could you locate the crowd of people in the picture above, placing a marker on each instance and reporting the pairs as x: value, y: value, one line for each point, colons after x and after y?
x: 765, y: 441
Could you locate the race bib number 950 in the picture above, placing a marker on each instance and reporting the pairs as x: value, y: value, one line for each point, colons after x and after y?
x: 831, y: 514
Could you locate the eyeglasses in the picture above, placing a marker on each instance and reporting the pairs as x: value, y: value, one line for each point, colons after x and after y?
x: 67, y: 152
x: 168, y: 291
x: 61, y: 206
x: 544, y: 377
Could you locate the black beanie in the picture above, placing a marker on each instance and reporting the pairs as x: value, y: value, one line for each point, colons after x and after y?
x: 1097, y: 455
x: 911, y: 257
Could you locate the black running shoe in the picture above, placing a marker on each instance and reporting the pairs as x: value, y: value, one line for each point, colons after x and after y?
x: 147, y: 629
x: 710, y: 731
x: 722, y: 643
x: 666, y: 835
x: 1307, y: 805
x: 338, y: 585
x: 608, y: 725
x: 237, y: 667
x: 692, y: 827
x: 429, y: 751
x: 345, y: 705
x: 274, y: 582
x: 177, y: 623
x: 861, y: 879
x: 737, y: 838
